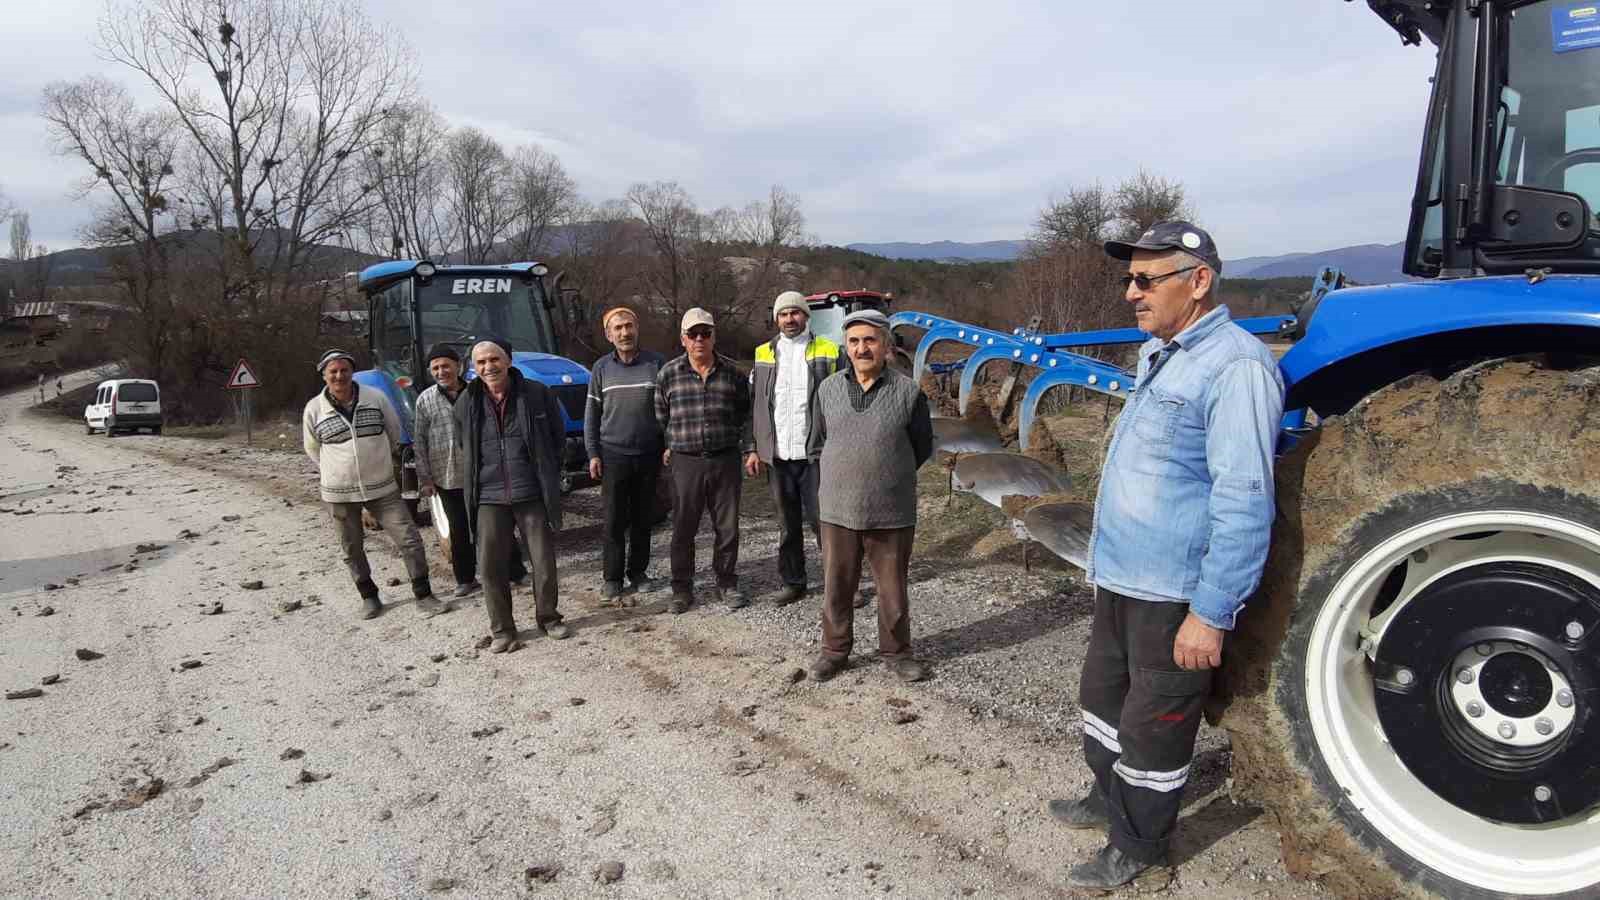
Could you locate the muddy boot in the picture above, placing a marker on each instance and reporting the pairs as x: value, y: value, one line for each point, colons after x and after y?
x: 825, y: 667
x: 681, y: 603
x: 505, y: 645
x: 789, y: 594
x: 1085, y: 812
x: 556, y: 631
x: 371, y: 606
x: 431, y: 606
x: 1110, y: 868
x: 909, y: 670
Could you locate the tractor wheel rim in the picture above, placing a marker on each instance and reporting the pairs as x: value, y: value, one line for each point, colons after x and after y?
x: 1342, y: 706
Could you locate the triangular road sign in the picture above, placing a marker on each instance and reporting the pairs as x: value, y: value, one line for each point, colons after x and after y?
x: 243, y: 376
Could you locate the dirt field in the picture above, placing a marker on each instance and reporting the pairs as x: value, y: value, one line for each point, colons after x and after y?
x: 282, y: 747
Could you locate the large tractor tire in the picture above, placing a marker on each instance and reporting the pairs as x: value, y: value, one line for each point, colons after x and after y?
x: 1412, y: 694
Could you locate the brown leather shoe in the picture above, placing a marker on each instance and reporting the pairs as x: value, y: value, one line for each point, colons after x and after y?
x: 909, y: 670
x: 825, y: 667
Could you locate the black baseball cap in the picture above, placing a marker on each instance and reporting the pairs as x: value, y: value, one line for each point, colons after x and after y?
x: 1175, y: 235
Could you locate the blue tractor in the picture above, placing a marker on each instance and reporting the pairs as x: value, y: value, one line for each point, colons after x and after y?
x: 414, y: 304
x: 1413, y: 693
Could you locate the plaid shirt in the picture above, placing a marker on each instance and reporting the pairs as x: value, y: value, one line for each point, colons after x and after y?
x: 435, y: 440
x: 703, y: 415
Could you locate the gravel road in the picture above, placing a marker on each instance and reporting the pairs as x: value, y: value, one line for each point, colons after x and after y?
x: 280, y: 747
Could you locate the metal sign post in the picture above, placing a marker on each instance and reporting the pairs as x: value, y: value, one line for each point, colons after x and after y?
x: 244, y: 379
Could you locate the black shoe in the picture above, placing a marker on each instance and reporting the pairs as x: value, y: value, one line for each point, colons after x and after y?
x: 735, y: 598
x: 789, y: 594
x: 430, y: 606
x: 556, y: 631
x: 371, y: 607
x: 610, y: 591
x: 681, y: 603
x: 826, y: 667
x: 1110, y: 868
x: 1085, y: 812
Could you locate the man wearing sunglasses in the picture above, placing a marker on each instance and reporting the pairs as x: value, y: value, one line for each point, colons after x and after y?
x: 1181, y: 527
x: 703, y: 405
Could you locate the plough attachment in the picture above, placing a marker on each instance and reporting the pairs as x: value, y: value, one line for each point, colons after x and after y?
x: 1051, y: 356
x: 982, y: 465
x: 995, y: 476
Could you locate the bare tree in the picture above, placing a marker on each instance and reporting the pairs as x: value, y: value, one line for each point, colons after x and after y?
x: 1145, y: 199
x: 283, y: 98
x: 130, y: 155
x: 21, y: 237
x: 407, y: 167
x: 675, y: 230
x: 1082, y: 218
x: 542, y: 194
x: 771, y: 227
x: 477, y: 195
x: 1064, y: 276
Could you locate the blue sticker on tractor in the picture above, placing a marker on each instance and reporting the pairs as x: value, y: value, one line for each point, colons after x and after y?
x: 1575, y: 26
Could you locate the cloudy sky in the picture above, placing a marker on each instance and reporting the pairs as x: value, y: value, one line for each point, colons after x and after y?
x: 1293, y: 123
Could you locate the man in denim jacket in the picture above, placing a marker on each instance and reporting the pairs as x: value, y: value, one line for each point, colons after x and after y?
x: 1181, y: 527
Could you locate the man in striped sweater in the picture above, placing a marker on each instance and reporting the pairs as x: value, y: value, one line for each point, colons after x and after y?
x: 875, y: 433
x: 623, y: 439
x: 353, y: 436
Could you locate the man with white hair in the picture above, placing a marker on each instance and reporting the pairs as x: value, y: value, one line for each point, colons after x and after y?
x: 511, y: 435
x: 1181, y: 527
x: 876, y: 432
x: 783, y: 391
x: 353, y: 436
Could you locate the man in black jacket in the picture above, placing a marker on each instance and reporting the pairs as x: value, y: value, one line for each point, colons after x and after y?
x: 511, y: 435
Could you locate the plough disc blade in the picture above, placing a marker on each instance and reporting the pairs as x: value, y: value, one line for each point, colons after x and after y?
x: 960, y: 436
x: 1063, y: 528
x: 994, y: 476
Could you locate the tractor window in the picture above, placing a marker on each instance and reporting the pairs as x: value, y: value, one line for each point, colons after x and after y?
x: 1549, y: 124
x: 462, y: 310
x: 392, y: 341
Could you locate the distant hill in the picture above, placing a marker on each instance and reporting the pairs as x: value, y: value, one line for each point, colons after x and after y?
x: 88, y: 266
x: 945, y: 251
x: 1366, y: 263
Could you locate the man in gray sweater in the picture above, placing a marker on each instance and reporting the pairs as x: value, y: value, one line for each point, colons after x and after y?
x: 876, y: 433
x: 623, y: 439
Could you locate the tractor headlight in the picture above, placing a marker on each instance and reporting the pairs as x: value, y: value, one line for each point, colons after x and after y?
x: 426, y: 269
x: 540, y: 270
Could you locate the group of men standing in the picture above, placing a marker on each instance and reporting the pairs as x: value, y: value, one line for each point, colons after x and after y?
x: 1182, y: 518
x: 707, y: 415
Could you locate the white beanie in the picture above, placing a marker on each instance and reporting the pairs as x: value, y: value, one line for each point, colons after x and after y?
x: 790, y: 300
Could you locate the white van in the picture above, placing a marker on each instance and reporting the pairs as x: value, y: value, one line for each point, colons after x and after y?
x: 124, y: 404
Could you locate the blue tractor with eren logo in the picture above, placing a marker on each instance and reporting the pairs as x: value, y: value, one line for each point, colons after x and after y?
x: 414, y: 304
x: 1412, y: 694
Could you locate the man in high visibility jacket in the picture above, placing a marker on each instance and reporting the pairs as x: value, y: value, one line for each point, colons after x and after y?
x: 783, y: 413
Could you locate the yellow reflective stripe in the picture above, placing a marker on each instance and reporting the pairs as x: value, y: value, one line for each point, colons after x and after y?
x: 764, y: 353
